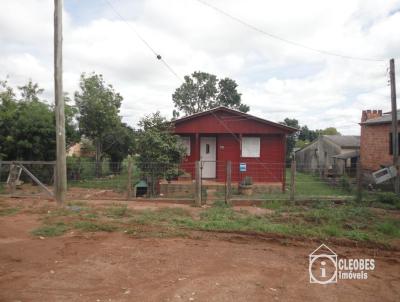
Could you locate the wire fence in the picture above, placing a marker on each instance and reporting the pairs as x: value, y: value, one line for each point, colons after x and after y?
x: 202, y: 182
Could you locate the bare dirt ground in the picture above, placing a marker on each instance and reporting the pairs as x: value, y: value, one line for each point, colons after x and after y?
x: 206, y: 266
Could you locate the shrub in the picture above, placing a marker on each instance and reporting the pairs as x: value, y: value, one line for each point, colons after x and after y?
x: 388, y: 198
x: 345, y: 183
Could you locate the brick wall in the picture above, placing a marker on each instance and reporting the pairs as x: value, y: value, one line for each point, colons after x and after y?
x: 374, y: 146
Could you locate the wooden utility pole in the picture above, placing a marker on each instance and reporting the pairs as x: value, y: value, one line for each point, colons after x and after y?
x: 61, y: 166
x: 394, y: 126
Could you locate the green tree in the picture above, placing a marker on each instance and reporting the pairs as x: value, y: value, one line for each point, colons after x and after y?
x: 8, y: 116
x: 117, y: 144
x: 27, y: 125
x: 292, y: 138
x: 98, y: 106
x: 30, y: 92
x: 202, y: 91
x: 159, y: 149
x: 330, y: 131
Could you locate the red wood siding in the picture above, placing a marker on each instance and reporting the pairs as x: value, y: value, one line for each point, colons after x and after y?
x: 228, y: 127
x: 224, y: 122
x: 267, y: 168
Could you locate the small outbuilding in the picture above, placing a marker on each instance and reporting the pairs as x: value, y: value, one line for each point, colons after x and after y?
x: 336, y: 154
x: 255, y: 146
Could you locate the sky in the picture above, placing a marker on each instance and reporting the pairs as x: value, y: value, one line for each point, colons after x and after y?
x: 276, y: 79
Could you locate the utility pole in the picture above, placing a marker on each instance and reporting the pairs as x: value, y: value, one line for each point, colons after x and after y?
x: 61, y: 166
x: 394, y: 126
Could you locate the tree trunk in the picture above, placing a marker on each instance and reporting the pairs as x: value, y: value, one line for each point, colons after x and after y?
x: 98, y: 158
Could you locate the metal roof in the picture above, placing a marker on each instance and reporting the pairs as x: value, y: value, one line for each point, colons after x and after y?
x: 350, y: 141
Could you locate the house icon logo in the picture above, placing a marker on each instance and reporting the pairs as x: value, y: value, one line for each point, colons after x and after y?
x: 323, y: 265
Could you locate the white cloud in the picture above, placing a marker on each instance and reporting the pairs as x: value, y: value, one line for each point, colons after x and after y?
x: 277, y: 80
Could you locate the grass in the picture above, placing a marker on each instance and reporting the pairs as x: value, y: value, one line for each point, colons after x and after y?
x: 316, y: 219
x: 307, y: 186
x: 117, y: 211
x: 90, y: 226
x: 53, y: 230
x: 311, y: 185
x: 9, y: 211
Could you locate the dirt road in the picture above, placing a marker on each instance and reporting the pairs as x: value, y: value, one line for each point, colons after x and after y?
x: 206, y: 267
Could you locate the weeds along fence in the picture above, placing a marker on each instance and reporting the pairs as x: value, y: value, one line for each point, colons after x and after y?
x: 199, y: 182
x: 27, y: 178
x: 207, y: 181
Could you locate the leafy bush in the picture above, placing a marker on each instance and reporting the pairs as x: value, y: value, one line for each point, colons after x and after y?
x: 388, y: 198
x: 345, y: 183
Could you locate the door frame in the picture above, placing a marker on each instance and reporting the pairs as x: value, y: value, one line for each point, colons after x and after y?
x: 211, y: 162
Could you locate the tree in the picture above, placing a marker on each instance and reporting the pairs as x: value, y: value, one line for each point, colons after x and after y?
x: 98, y: 106
x: 72, y: 135
x: 330, y: 131
x: 30, y: 92
x: 159, y: 149
x: 27, y: 125
x: 8, y: 116
x: 202, y: 91
x: 117, y: 144
x: 291, y: 138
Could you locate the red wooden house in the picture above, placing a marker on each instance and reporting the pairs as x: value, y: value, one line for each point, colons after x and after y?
x: 256, y: 147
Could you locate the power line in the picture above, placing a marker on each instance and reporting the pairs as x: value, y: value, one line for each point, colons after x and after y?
x: 158, y: 56
x: 293, y: 43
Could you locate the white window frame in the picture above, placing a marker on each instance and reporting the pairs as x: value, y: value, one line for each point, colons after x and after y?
x: 251, y: 146
x: 185, y: 140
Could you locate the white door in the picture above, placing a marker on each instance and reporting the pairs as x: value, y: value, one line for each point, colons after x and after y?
x: 208, y: 156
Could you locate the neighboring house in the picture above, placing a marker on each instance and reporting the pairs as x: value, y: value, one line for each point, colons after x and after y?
x: 222, y: 134
x: 80, y: 150
x: 335, y: 154
x: 74, y: 150
x: 376, y: 140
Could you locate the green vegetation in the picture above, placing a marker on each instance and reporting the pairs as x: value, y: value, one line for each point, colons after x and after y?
x: 313, y: 219
x: 117, y: 211
x: 8, y: 211
x: 202, y: 91
x: 90, y: 226
x: 308, y: 186
x: 52, y: 230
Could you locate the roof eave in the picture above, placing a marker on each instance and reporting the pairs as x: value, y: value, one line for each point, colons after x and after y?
x: 284, y: 127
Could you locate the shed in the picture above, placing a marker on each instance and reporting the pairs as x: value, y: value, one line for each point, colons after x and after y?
x: 335, y: 153
x: 255, y: 146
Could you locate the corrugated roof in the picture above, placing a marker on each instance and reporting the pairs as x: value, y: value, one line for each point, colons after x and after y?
x: 386, y: 118
x: 350, y: 141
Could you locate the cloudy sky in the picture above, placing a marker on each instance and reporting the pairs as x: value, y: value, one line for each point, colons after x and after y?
x: 276, y: 79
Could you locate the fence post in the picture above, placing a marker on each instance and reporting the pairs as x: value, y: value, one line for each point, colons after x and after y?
x: 228, y: 189
x: 13, y: 178
x: 197, y: 193
x: 359, y: 182
x: 292, y: 179
x: 129, y: 184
